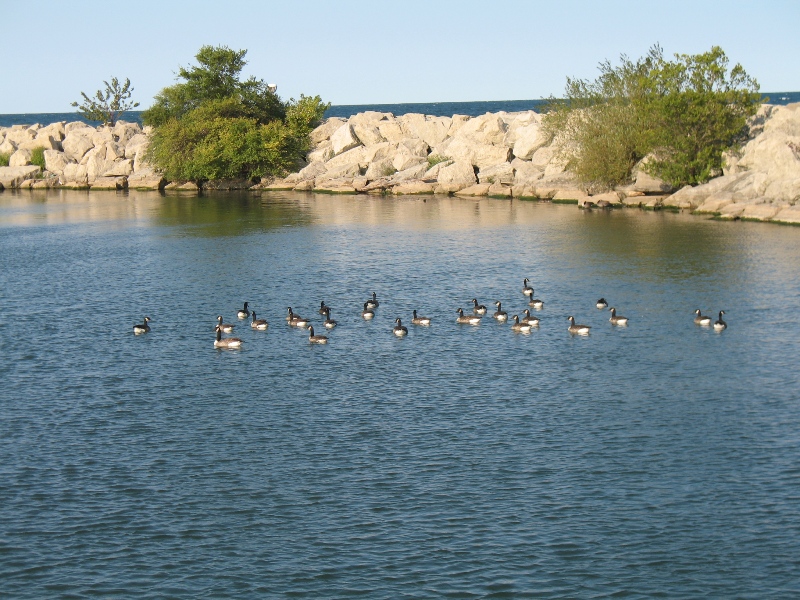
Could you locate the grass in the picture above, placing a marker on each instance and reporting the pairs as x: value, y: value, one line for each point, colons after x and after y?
x: 4, y: 158
x: 388, y: 171
x: 37, y: 157
x: 435, y: 159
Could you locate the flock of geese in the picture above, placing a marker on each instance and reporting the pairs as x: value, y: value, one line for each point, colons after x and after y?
x: 522, y: 325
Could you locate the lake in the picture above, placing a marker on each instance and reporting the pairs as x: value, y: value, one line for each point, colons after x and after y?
x: 659, y: 459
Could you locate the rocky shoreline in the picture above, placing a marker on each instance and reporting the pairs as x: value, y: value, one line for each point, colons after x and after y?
x: 499, y: 155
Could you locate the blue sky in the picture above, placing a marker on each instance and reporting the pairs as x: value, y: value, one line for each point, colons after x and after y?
x: 362, y: 52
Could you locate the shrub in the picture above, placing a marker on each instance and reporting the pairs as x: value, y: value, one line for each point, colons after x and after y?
x: 109, y: 105
x: 213, y: 126
x: 4, y: 158
x: 388, y: 171
x: 37, y: 158
x: 435, y: 159
x: 683, y: 113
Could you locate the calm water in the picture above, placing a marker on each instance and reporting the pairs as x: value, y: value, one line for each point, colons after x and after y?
x: 442, y: 109
x: 659, y: 460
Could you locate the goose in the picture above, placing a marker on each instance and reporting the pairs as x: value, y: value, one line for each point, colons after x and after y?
x: 617, y: 320
x: 244, y: 313
x: 420, y: 320
x: 535, y: 302
x: 316, y: 339
x: 467, y: 319
x: 719, y: 324
x: 478, y: 309
x: 526, y: 289
x: 579, y: 329
x: 398, y: 329
x: 601, y: 304
x: 367, y: 314
x: 221, y: 342
x: 532, y: 321
x: 701, y: 320
x: 374, y: 302
x: 294, y: 319
x: 329, y: 323
x: 500, y: 314
x: 322, y: 307
x: 143, y: 328
x: 258, y: 323
x: 523, y: 327
x: 226, y: 327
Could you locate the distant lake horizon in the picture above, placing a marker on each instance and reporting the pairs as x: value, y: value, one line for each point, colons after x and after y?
x: 437, y: 109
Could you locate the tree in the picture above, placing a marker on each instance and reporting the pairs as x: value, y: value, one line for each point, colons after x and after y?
x: 214, y: 126
x: 682, y: 114
x: 108, y: 105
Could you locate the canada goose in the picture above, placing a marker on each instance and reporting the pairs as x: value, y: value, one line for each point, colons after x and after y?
x: 701, y: 320
x: 478, y: 309
x: 500, y: 314
x: 295, y: 320
x: 532, y: 321
x: 143, y: 328
x: 526, y: 289
x: 523, y: 327
x: 258, y: 323
x: 367, y: 314
x: 290, y: 316
x: 226, y: 327
x: 316, y: 339
x: 329, y: 323
x: 535, y: 302
x: 601, y: 304
x: 615, y: 320
x: 579, y: 329
x: 467, y: 319
x: 322, y: 307
x: 374, y: 302
x: 398, y: 329
x: 420, y: 320
x: 221, y: 342
x: 719, y: 324
x: 244, y: 313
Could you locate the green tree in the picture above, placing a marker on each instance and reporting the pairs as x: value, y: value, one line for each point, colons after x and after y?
x: 214, y: 126
x: 108, y: 105
x: 683, y: 113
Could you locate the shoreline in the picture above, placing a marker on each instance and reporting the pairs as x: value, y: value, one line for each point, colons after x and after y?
x: 496, y: 155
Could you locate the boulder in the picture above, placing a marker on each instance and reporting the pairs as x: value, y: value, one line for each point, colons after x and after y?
x: 323, y: 152
x: 228, y: 185
x: 528, y: 140
x: 20, y: 158
x: 433, y: 172
x: 124, y: 132
x: 76, y: 144
x: 456, y: 123
x: 405, y: 159
x: 476, y: 153
x: 74, y: 173
x: 788, y: 215
x: 21, y: 136
x: 109, y: 183
x: 456, y: 176
x: 74, y: 125
x: 135, y: 144
x: 142, y: 181
x: 48, y: 142
x: 8, y: 147
x: 313, y: 170
x: 760, y: 212
x: 479, y: 189
x: 502, y: 173
x: 525, y: 172
x: 354, y: 156
x: 344, y: 139
x: 56, y: 130
x: 612, y: 198
x: 326, y: 130
x: 411, y: 173
x: 344, y: 172
x: 391, y: 131
x: 378, y: 152
x: 102, y: 135
x: 12, y: 177
x: 488, y: 129
x: 121, y: 168
x: 305, y: 186
x: 498, y: 190
x: 114, y: 151
x: 414, y: 186
x: 55, y: 161
x: 429, y: 129
x: 368, y: 134
x: 380, y: 168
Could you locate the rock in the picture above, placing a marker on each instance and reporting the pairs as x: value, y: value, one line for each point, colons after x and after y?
x: 433, y: 172
x: 109, y: 183
x: 479, y: 189
x: 139, y: 181
x: 45, y: 184
x: 405, y: 159
x: 55, y: 161
x: 391, y: 131
x: 336, y: 187
x: 41, y: 141
x: 56, y: 130
x: 760, y: 212
x: 525, y: 172
x: 378, y: 152
x: 359, y: 183
x: 411, y: 173
x: 312, y: 171
x: 488, y: 129
x: 21, y: 136
x: 278, y: 185
x: 457, y: 176
x: 20, y: 158
x: 304, y: 186
x: 413, y: 187
x: 502, y: 173
x: 477, y: 154
x: 326, y: 130
x: 497, y: 190
x: 381, y: 168
x: 732, y: 211
x: 788, y: 215
x: 137, y: 143
x: 101, y: 135
x: 76, y: 145
x: 612, y: 198
x: 188, y: 186
x: 7, y: 147
x: 368, y: 134
x: 345, y: 171
x: 73, y: 125
x: 228, y: 185
x: 114, y: 151
x: 715, y: 203
x: 12, y: 177
x: 429, y: 129
x: 528, y: 140
x: 124, y: 132
x: 74, y: 173
x: 571, y: 196
x: 633, y: 201
x: 323, y: 152
x: 354, y: 156
x: 97, y: 165
x: 118, y: 168
x: 344, y: 139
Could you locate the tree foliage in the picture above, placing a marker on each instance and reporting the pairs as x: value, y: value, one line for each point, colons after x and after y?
x: 215, y: 126
x: 108, y: 105
x: 682, y: 114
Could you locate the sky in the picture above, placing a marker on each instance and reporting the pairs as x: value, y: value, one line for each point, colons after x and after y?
x: 375, y: 51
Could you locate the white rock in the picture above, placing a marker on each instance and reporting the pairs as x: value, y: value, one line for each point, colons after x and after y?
x: 74, y: 125
x: 21, y: 136
x: 368, y: 134
x: 410, y: 173
x: 460, y: 173
x: 380, y: 168
x: 136, y: 143
x: 528, y: 140
x: 323, y: 152
x: 114, y: 151
x: 378, y: 152
x: 74, y: 172
x: 20, y: 158
x: 391, y: 131
x: 405, y: 159
x: 76, y: 144
x: 55, y: 161
x: 502, y: 173
x: 102, y: 135
x: 433, y: 172
x: 525, y: 172
x: 8, y: 147
x: 326, y: 130
x: 354, y: 156
x: 125, y: 131
x: 11, y: 177
x: 431, y: 130
x: 56, y: 130
x: 119, y: 168
x: 96, y: 166
x: 313, y: 170
x: 344, y: 139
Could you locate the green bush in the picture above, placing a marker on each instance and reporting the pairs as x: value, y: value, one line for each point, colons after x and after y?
x: 435, y: 159
x: 684, y: 113
x: 37, y: 158
x: 213, y: 126
x: 4, y: 158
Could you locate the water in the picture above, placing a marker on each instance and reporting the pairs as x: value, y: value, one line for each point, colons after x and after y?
x: 441, y: 109
x: 469, y: 462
